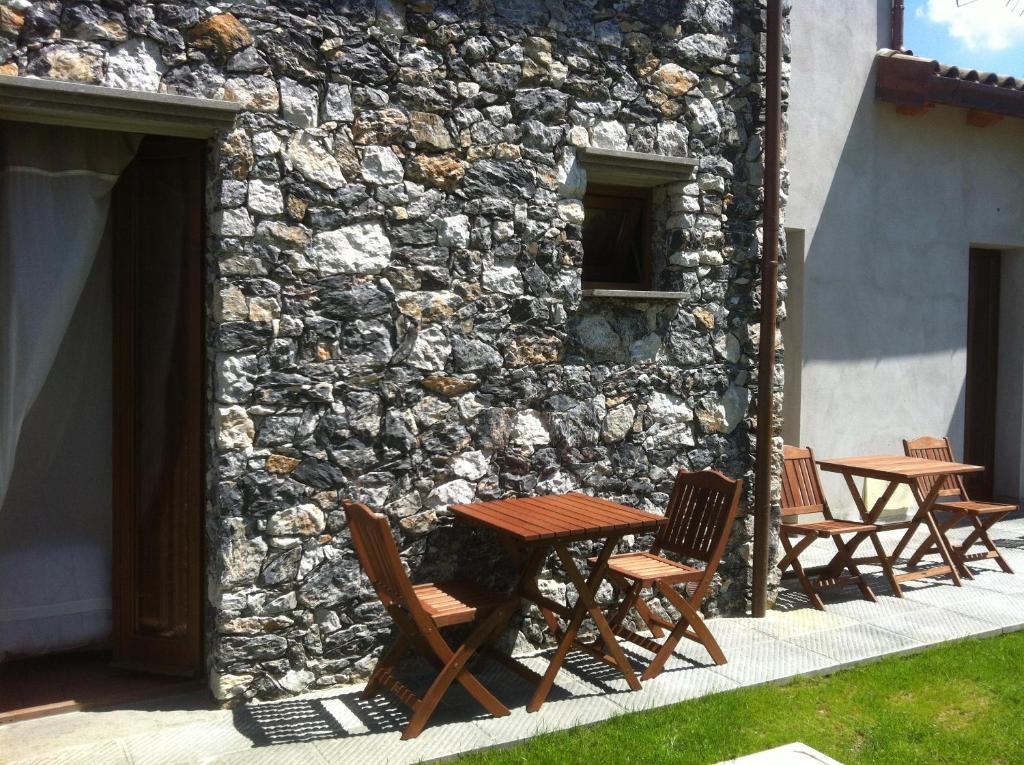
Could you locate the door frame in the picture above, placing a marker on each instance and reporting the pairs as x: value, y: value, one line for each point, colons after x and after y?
x: 182, y: 656
x: 982, y: 373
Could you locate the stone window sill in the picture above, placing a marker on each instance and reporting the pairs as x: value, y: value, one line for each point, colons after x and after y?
x: 634, y: 294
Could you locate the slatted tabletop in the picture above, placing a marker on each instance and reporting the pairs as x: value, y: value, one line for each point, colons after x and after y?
x: 895, y: 467
x: 561, y: 517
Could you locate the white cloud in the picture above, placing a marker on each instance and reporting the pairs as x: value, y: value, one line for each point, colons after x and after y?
x: 982, y: 24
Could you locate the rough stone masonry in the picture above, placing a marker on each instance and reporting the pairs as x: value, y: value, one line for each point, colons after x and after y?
x: 394, y: 263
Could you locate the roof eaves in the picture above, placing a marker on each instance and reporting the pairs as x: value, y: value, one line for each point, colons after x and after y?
x: 916, y: 82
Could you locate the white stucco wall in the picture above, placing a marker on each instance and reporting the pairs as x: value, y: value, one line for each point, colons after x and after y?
x: 889, y: 206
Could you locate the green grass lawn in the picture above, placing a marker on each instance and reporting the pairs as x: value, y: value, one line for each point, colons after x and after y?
x: 958, y: 703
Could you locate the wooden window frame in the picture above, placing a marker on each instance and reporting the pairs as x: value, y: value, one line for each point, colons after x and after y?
x: 603, y: 196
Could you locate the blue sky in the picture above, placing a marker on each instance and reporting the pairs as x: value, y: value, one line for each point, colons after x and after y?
x: 982, y: 34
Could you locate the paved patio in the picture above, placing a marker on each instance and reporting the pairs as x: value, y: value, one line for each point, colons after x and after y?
x: 336, y: 726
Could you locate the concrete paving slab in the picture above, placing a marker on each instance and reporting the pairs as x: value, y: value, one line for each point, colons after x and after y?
x: 790, y: 599
x: 1006, y: 611
x: 940, y: 592
x: 935, y: 625
x: 771, y: 660
x: 55, y: 733
x: 863, y: 610
x: 1012, y: 550
x: 336, y: 725
x: 388, y: 748
x: 294, y: 721
x: 996, y: 580
x: 1015, y: 558
x: 733, y: 634
x: 849, y: 645
x: 579, y: 677
x: 184, y: 744
x: 552, y: 716
x: 94, y: 727
x: 291, y: 754
x: 673, y: 686
x: 801, y: 621
x: 111, y: 752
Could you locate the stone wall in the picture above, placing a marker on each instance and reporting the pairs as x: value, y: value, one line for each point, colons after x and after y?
x: 394, y: 265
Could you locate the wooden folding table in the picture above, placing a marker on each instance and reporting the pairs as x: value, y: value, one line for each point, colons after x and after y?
x: 896, y: 470
x: 541, y: 524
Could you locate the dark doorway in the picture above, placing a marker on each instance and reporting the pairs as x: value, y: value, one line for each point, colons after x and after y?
x: 156, y: 219
x: 982, y: 369
x: 153, y: 286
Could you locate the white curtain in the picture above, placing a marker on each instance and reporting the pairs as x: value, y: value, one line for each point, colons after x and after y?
x: 56, y: 556
x: 55, y: 186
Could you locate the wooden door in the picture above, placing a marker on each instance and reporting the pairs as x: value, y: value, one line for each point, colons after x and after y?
x: 982, y: 369
x: 156, y: 219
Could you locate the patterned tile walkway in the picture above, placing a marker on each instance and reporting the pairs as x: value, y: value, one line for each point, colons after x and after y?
x: 336, y: 726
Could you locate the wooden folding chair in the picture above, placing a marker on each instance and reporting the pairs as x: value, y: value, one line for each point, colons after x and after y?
x: 982, y: 515
x: 802, y: 496
x: 700, y: 514
x: 420, y: 612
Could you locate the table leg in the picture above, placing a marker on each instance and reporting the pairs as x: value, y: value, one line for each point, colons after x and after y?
x: 584, y: 604
x: 886, y: 563
x: 871, y: 516
x: 928, y: 546
x: 923, y: 516
x: 937, y: 535
x: 529, y: 565
x: 527, y: 586
x: 911, y: 530
x: 587, y: 590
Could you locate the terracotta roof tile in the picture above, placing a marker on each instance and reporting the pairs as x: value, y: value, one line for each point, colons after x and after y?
x: 959, y: 73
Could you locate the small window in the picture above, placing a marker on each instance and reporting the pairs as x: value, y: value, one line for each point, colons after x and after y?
x: 617, y: 237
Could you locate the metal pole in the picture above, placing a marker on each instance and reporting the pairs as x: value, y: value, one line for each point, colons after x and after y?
x: 896, y: 38
x: 769, y: 303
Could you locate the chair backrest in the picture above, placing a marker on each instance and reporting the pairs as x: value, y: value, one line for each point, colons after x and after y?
x: 700, y: 514
x: 378, y: 554
x: 929, y: 448
x: 801, y: 485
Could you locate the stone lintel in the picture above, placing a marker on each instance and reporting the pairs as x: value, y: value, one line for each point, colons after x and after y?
x: 633, y: 168
x: 74, y: 104
x: 635, y: 294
